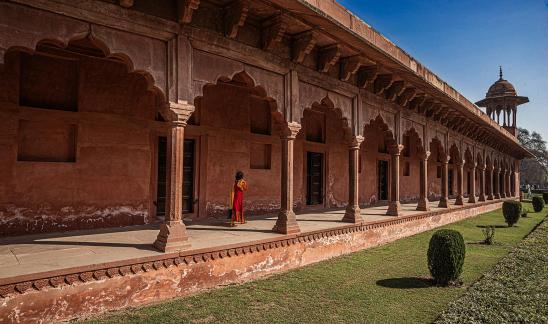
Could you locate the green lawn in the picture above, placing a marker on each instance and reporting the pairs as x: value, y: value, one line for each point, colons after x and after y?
x: 384, y: 284
x: 514, y: 291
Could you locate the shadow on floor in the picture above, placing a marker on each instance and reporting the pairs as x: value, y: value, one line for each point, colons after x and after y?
x: 406, y: 283
x: 495, y: 226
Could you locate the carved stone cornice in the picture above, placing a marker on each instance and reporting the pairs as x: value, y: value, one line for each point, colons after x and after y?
x: 303, y: 44
x: 328, y: 56
x: 186, y: 9
x: 235, y: 16
x: 290, y: 130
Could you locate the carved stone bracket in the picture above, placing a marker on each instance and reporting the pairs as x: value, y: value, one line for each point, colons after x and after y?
x: 406, y: 96
x: 381, y: 83
x: 235, y: 16
x: 302, y: 45
x: 328, y: 56
x: 351, y: 65
x: 126, y: 3
x: 395, y: 90
x: 186, y: 9
x: 366, y: 75
x: 273, y: 31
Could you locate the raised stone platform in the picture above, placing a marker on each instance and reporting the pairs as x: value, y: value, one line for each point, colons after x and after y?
x: 55, y: 277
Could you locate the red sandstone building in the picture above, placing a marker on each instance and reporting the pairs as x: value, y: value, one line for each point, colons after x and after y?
x: 122, y: 113
x: 118, y: 113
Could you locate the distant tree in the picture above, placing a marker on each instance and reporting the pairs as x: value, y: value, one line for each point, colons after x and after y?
x: 533, y: 171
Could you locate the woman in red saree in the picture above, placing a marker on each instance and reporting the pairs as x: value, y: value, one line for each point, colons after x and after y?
x: 237, y: 199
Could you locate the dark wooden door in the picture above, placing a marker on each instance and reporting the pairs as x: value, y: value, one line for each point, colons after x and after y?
x: 383, y: 180
x: 188, y: 176
x: 161, y: 176
x: 314, y: 176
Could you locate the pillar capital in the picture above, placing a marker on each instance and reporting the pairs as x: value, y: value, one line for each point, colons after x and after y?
x: 444, y: 159
x: 355, y: 142
x: 177, y: 113
x: 395, y: 149
x: 290, y: 130
x: 424, y: 155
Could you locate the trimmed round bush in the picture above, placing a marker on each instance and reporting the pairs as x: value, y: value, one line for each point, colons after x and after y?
x: 545, y: 197
x: 511, y: 211
x: 538, y: 204
x: 446, y: 256
x: 524, y: 213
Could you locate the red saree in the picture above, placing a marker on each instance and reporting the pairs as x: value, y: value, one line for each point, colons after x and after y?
x: 237, y: 201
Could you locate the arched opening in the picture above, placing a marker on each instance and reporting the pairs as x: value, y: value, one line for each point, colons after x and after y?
x: 435, y: 169
x: 78, y: 124
x: 488, y: 177
x: 454, y: 161
x: 321, y: 144
x: 410, y: 166
x: 235, y: 127
x: 375, y: 161
x: 469, y: 178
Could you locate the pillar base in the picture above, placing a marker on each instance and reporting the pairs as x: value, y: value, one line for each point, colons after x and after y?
x: 423, y: 205
x: 472, y: 199
x: 490, y: 197
x: 286, y: 223
x: 459, y: 201
x: 481, y: 197
x: 502, y: 195
x: 497, y: 196
x: 352, y: 214
x: 172, y: 237
x: 444, y: 202
x: 394, y: 208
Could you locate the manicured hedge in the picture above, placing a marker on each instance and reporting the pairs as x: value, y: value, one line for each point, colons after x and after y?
x: 538, y: 204
x: 545, y: 197
x: 512, y: 211
x: 446, y: 256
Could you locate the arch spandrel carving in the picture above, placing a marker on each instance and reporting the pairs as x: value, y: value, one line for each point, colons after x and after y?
x: 308, y: 95
x: 389, y: 119
x: 209, y: 68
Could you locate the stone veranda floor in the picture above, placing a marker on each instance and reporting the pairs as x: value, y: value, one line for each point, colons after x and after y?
x: 385, y: 284
x: 30, y: 254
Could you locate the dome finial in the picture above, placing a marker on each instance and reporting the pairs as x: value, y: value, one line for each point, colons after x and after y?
x: 500, y: 72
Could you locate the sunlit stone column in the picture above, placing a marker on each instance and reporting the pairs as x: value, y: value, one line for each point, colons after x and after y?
x: 460, y: 183
x: 287, y: 222
x: 173, y: 236
x: 508, y: 183
x: 353, y: 212
x: 394, y: 206
x: 482, y: 196
x: 423, y: 204
x: 444, y: 199
x: 472, y: 193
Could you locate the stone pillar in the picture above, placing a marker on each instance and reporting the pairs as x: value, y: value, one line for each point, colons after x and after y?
x: 490, y: 187
x: 287, y: 222
x: 460, y: 183
x: 173, y: 236
x: 353, y: 212
x: 394, y: 206
x: 472, y: 193
x: 482, y: 196
x: 496, y: 185
x: 444, y: 199
x: 502, y: 180
x: 423, y: 204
